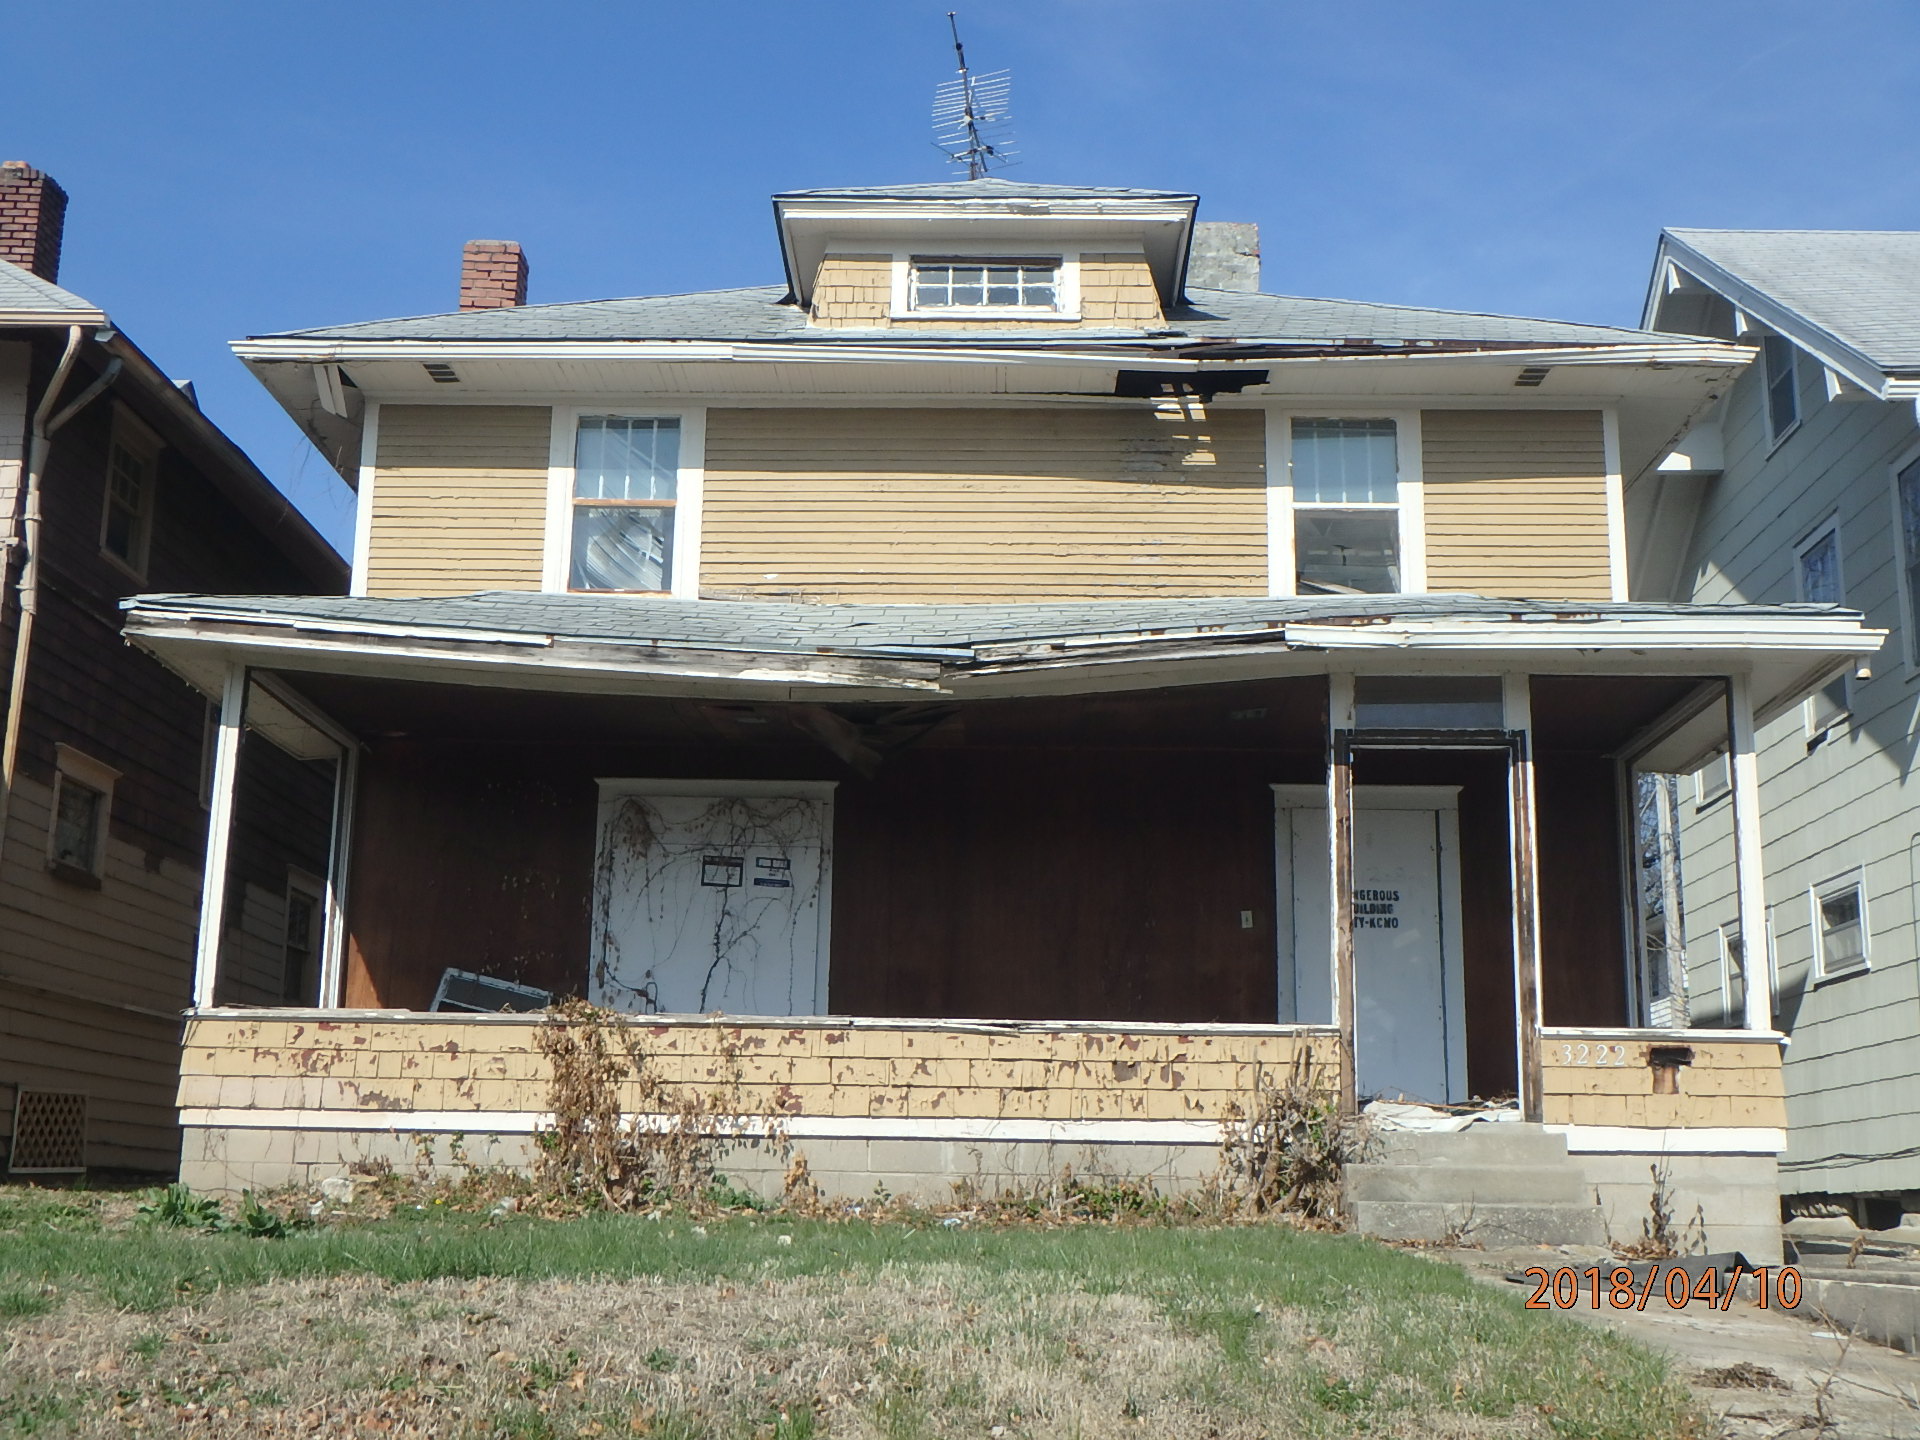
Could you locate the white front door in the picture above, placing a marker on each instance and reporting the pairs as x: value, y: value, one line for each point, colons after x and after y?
x: 1409, y: 1029
x: 712, y: 895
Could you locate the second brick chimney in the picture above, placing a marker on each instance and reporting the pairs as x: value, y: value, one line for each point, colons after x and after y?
x: 33, y: 217
x: 493, y: 275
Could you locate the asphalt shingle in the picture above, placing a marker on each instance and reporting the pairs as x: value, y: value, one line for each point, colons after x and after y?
x: 1860, y: 286
x: 927, y: 631
x: 758, y: 314
x: 25, y: 292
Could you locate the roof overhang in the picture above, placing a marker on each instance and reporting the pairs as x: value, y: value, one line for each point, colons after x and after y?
x: 1656, y: 389
x: 812, y: 226
x: 1786, y: 654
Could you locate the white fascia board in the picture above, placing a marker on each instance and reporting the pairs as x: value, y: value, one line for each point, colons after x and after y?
x: 1824, y: 346
x: 1551, y: 633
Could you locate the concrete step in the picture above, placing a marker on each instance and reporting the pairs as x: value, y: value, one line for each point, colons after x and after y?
x: 1493, y: 1224
x: 1499, y: 1143
x: 1560, y: 1184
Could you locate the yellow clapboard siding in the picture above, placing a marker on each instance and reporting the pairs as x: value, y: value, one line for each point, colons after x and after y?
x: 922, y: 505
x: 459, y: 499
x: 1516, y: 503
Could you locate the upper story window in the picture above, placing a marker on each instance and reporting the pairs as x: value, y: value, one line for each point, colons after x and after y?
x: 983, y: 283
x: 1345, y: 478
x: 1840, y: 927
x: 1783, y: 386
x: 1819, y: 581
x: 77, y: 825
x: 625, y: 492
x: 1906, y: 501
x: 133, y: 475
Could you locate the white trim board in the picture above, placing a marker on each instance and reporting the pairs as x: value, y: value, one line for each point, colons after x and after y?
x: 1707, y: 1140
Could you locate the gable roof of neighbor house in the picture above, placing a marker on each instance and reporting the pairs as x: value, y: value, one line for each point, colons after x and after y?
x: 29, y: 302
x: 760, y: 313
x: 1845, y: 295
x: 26, y: 299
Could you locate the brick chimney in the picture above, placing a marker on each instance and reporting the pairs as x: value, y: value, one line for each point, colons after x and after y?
x: 33, y: 216
x: 493, y: 275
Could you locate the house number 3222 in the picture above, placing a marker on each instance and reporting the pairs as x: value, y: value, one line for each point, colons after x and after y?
x: 1593, y: 1054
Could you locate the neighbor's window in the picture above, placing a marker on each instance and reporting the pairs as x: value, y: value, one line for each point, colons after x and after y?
x: 1346, y: 506
x: 1783, y: 386
x: 1840, y: 927
x: 77, y: 826
x: 625, y: 485
x: 1713, y: 780
x: 1820, y: 582
x: 1732, y: 979
x: 1907, y: 486
x: 300, y: 979
x: 126, y: 521
x: 958, y: 283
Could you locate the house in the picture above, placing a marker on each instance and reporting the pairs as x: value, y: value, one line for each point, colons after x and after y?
x: 112, y: 482
x: 1803, y: 483
x: 1003, y: 687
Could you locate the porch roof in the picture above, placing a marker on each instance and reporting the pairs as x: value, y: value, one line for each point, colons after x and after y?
x: 732, y: 649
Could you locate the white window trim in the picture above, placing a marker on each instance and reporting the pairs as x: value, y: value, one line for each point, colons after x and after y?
x: 1854, y: 879
x: 900, y: 305
x: 1776, y: 440
x: 95, y: 775
x: 1909, y: 638
x: 132, y: 434
x: 689, y: 489
x: 1729, y: 937
x: 1410, y: 499
x: 1817, y: 728
x: 1721, y: 764
x: 363, y: 498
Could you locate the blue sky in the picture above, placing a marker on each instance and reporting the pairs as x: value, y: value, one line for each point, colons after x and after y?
x: 248, y: 167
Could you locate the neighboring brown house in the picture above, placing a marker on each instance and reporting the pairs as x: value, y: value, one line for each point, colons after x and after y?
x: 1029, y: 682
x: 113, y: 482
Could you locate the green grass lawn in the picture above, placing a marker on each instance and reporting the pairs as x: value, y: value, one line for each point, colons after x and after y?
x: 449, y: 1324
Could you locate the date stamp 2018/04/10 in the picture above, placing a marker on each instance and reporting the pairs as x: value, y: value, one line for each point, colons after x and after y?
x: 1619, y: 1287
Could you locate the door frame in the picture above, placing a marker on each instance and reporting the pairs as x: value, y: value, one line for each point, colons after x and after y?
x: 1444, y: 801
x: 616, y: 788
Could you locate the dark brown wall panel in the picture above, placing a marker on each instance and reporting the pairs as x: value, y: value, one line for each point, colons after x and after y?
x: 1582, y: 947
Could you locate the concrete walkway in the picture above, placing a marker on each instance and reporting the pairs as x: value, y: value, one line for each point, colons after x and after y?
x: 1761, y: 1373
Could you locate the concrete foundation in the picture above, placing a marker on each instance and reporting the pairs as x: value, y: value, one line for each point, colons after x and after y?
x: 226, y: 1161
x: 1735, y: 1199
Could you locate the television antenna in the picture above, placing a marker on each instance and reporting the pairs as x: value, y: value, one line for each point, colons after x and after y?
x: 972, y: 114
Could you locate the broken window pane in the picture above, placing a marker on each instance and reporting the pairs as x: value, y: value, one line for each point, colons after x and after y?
x: 621, y: 547
x: 1347, y: 551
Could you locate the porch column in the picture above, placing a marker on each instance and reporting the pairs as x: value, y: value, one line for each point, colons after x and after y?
x: 1521, y: 825
x: 1340, y: 891
x: 213, y: 882
x: 1749, y: 872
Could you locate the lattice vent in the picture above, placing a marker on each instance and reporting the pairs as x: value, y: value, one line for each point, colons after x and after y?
x: 49, y: 1132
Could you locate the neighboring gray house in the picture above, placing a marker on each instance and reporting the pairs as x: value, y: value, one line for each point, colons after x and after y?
x: 1804, y: 484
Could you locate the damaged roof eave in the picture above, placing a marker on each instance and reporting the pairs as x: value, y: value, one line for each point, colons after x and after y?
x: 1787, y: 657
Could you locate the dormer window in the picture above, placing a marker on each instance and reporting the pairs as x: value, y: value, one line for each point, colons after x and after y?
x: 939, y: 283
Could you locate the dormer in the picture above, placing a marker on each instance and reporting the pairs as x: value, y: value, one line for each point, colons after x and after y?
x: 985, y: 254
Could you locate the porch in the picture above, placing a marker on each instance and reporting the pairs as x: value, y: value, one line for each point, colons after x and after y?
x: 1031, y: 905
